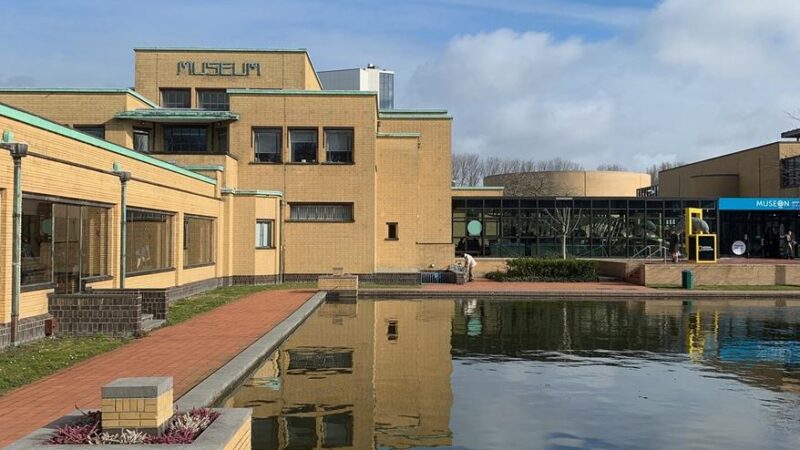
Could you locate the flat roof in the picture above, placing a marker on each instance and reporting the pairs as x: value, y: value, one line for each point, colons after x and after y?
x: 220, y: 50
x: 791, y: 134
x: 71, y: 90
x: 177, y: 115
x: 413, y: 114
x: 48, y: 125
x: 721, y: 156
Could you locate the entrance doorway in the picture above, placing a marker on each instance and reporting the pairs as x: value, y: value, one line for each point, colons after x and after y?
x: 763, y: 232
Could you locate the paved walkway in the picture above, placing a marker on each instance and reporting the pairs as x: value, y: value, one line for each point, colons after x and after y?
x: 188, y: 352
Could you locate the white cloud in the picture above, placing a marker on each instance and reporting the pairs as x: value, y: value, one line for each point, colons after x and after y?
x: 692, y: 80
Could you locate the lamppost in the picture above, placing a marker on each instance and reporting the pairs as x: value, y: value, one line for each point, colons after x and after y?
x: 18, y: 151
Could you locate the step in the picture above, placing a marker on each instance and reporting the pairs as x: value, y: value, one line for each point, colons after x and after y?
x: 146, y: 317
x: 152, y: 324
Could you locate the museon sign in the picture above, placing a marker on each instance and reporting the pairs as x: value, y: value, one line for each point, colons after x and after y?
x: 219, y: 69
x: 759, y: 204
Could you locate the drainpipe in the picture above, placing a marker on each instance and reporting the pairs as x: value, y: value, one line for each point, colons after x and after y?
x: 18, y: 151
x: 282, y: 252
x: 124, y: 177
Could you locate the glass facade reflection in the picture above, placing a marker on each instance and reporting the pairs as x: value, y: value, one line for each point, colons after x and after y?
x: 597, y: 227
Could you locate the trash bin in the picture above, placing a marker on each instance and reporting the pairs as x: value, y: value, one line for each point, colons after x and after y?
x: 687, y: 279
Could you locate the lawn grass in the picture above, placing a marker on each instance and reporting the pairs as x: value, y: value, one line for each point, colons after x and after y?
x: 30, y: 362
x: 779, y: 287
x: 189, y: 307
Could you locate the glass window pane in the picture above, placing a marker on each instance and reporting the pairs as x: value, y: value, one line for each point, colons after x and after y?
x: 321, y: 212
x: 215, y: 100
x: 98, y: 131
x: 338, y: 430
x: 141, y: 140
x: 267, y: 143
x: 149, y: 241
x: 264, y: 234
x: 176, y: 98
x: 198, y: 241
x: 304, y: 145
x: 185, y: 139
x: 95, y: 230
x: 339, y: 145
x: 37, y: 242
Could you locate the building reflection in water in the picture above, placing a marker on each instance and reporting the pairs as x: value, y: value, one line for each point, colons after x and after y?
x: 377, y: 374
x: 365, y: 375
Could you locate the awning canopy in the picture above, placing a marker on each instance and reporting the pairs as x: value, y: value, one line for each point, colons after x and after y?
x: 167, y: 115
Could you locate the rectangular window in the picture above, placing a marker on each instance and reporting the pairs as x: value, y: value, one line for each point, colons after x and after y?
x: 386, y: 90
x: 148, y: 242
x: 95, y: 251
x: 198, y: 241
x: 141, y: 140
x: 321, y: 212
x: 337, y: 430
x: 392, y: 331
x: 391, y: 231
x: 221, y: 140
x: 267, y: 144
x: 37, y: 242
x: 213, y: 99
x: 339, y: 146
x: 176, y: 98
x: 304, y: 145
x: 98, y: 131
x: 264, y: 234
x: 305, y: 361
x: 185, y: 139
x: 790, y: 172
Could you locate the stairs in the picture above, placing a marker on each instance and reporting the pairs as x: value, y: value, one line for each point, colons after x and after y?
x: 149, y: 323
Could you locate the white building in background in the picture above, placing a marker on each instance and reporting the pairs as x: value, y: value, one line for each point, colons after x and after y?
x: 370, y: 78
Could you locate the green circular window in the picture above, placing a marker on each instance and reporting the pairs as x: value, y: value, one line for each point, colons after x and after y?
x: 474, y: 228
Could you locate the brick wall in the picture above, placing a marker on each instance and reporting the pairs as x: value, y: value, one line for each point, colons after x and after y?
x: 97, y: 313
x: 29, y: 329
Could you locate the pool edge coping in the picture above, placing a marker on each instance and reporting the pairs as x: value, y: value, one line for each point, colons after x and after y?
x: 623, y: 295
x: 226, y: 378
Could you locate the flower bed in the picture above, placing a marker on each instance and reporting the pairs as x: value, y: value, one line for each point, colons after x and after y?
x: 535, y: 269
x: 183, y: 428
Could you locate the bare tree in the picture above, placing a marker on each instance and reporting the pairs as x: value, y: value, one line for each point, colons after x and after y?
x: 611, y: 168
x: 559, y: 165
x: 534, y: 184
x: 468, y: 169
x: 656, y: 168
x: 563, y: 222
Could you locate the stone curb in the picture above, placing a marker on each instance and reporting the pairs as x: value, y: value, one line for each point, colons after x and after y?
x: 234, y: 372
x: 566, y: 295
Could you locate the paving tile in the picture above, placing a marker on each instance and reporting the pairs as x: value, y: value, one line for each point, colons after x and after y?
x: 188, y: 352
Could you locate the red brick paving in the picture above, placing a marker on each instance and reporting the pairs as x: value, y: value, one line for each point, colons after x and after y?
x: 482, y: 284
x: 188, y: 352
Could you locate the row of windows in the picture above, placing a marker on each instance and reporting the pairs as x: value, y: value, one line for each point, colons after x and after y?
x: 790, y: 172
x: 303, y: 143
x: 210, y: 99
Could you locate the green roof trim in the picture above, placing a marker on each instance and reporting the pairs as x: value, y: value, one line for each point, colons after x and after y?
x: 47, y: 125
x: 400, y: 135
x: 220, y: 50
x: 414, y: 116
x: 69, y: 90
x: 207, y: 168
x: 297, y: 92
x: 177, y: 113
x: 413, y: 111
x: 252, y: 192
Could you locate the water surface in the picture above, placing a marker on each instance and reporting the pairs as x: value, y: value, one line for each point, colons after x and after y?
x: 475, y: 374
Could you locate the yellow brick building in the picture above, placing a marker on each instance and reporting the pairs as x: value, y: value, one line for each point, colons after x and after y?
x: 242, y: 170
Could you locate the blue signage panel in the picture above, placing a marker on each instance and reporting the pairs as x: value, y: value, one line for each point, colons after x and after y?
x: 759, y: 204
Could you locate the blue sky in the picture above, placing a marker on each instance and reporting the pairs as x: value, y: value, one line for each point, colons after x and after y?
x: 622, y: 81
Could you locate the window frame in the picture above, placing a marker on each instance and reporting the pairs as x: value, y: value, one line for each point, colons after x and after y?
x: 270, y: 234
x: 291, y: 148
x: 389, y: 227
x: 211, y: 250
x: 201, y: 91
x: 279, y: 153
x: 83, y: 128
x: 170, y: 220
x: 293, y: 205
x: 187, y: 91
x: 146, y: 131
x: 351, y: 152
x: 208, y: 146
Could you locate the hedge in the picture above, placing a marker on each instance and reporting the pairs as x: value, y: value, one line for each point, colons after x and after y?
x: 536, y: 269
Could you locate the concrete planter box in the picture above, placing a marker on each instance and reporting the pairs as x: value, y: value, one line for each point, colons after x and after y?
x: 231, y: 431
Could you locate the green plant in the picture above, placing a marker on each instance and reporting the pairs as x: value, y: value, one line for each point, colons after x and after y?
x: 537, y: 269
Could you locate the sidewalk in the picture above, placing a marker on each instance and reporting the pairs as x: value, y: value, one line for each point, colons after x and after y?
x: 188, y: 352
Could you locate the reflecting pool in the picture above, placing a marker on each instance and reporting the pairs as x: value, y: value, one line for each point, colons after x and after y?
x: 480, y: 374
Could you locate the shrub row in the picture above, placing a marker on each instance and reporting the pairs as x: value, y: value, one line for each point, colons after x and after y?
x: 535, y: 269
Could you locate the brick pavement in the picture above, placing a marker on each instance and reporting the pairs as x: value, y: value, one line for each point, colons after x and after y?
x: 188, y: 352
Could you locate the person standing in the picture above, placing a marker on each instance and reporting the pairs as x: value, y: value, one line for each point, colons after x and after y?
x: 470, y: 264
x: 790, y: 242
x: 673, y: 246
